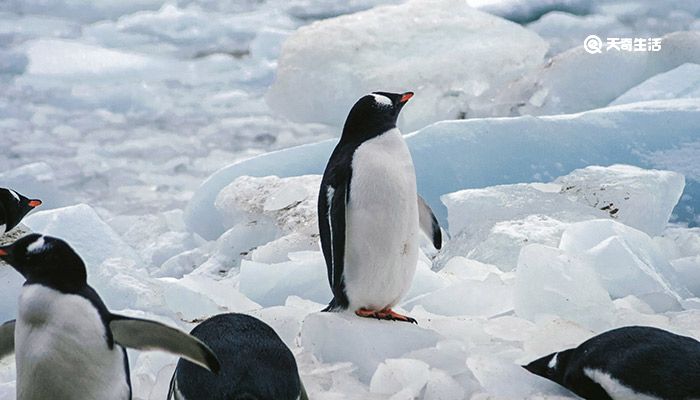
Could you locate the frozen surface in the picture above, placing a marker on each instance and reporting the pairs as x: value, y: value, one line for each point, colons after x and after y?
x: 575, y: 80
x: 322, y: 71
x: 681, y: 82
x: 627, y: 261
x: 642, y: 199
x: 485, y: 152
x: 523, y: 11
x: 549, y: 281
x: 114, y: 113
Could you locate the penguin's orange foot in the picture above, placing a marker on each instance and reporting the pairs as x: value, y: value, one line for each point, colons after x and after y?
x: 386, y: 314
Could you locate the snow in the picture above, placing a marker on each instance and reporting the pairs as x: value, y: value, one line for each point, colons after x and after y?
x: 321, y: 73
x: 119, y: 114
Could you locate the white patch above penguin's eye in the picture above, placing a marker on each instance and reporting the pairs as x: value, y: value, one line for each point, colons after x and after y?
x: 382, y: 100
x: 36, y: 246
x: 553, y: 362
x: 14, y: 194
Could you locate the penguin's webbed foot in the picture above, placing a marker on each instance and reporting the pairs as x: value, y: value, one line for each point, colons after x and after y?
x: 386, y: 314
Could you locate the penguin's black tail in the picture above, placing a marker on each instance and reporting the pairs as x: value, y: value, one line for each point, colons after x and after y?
x: 333, y: 306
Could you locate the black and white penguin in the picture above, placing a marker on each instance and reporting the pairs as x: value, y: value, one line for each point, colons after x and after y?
x: 13, y: 207
x: 635, y: 362
x: 369, y: 211
x: 67, y: 344
x: 255, y: 364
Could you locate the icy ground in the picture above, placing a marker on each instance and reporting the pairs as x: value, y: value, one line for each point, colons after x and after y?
x: 118, y: 114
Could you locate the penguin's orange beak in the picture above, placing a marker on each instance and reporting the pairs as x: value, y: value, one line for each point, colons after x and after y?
x: 34, y: 203
x: 2, y: 253
x: 406, y: 97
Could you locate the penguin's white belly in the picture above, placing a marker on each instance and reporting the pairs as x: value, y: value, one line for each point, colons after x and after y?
x: 61, y: 350
x: 382, y: 223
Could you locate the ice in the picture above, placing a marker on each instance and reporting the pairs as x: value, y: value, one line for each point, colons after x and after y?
x: 469, y: 297
x: 627, y: 261
x: 321, y: 73
x: 188, y: 32
x: 36, y: 180
x: 64, y: 57
x: 493, y: 371
x: 442, y: 386
x: 85, y: 231
x: 492, y: 224
x: 290, y: 202
x: 128, y: 106
x: 678, y: 83
x: 688, y: 269
x: 321, y: 9
x: 333, y: 337
x: 285, y: 320
x: 576, y: 81
x: 523, y: 11
x: 485, y: 152
x: 554, y: 334
x: 550, y: 281
x: 642, y: 199
x: 405, y: 376
x: 81, y: 10
x: 564, y: 31
x: 303, y: 276
x: 12, y: 63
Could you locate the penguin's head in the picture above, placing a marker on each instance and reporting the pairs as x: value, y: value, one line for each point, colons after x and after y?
x: 373, y: 115
x: 552, y: 367
x: 46, y: 260
x: 13, y: 207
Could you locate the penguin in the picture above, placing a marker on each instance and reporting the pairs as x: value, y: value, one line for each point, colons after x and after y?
x: 370, y: 213
x: 255, y: 364
x: 635, y: 362
x: 13, y: 207
x: 67, y: 344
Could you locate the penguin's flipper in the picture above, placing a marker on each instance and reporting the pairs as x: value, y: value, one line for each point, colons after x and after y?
x: 172, y: 388
x: 7, y: 339
x: 143, y: 334
x: 302, y: 394
x: 428, y: 223
x: 332, y: 206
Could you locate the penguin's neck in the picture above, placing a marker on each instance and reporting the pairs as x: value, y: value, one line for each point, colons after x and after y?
x: 362, y: 131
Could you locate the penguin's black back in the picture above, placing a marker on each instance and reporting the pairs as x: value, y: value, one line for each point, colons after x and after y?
x: 255, y: 362
x: 647, y: 360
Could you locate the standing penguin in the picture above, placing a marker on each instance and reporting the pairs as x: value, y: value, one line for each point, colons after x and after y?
x: 369, y: 211
x: 635, y: 362
x: 255, y: 364
x: 67, y: 344
x: 13, y: 207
